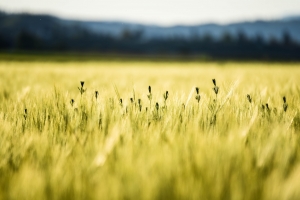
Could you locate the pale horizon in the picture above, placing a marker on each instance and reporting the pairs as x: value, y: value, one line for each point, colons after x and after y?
x: 163, y: 13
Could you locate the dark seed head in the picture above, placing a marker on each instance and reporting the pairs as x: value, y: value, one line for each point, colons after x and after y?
x: 25, y: 114
x: 157, y: 106
x: 121, y: 101
x: 149, y: 89
x: 267, y: 106
x: 214, y: 81
x: 81, y: 83
x: 166, y: 95
x: 139, y: 101
x: 249, y: 98
x: 96, y: 94
x: 72, y: 102
x: 285, y: 105
x: 197, y: 90
x: 131, y: 100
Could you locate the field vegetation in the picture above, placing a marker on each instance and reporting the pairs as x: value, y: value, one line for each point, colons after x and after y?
x: 149, y: 130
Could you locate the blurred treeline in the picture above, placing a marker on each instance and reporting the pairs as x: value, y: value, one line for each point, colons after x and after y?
x: 27, y: 33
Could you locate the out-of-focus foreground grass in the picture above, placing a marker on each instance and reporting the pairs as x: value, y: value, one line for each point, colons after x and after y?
x: 223, y: 147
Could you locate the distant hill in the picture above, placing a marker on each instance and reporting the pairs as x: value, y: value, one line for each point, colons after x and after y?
x: 46, y: 26
x: 266, y: 29
x: 269, y: 40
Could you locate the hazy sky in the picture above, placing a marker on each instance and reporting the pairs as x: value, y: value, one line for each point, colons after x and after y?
x: 161, y: 12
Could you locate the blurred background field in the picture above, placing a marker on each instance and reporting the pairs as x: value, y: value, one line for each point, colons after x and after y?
x: 132, y: 73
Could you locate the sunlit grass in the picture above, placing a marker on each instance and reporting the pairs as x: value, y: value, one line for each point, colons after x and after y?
x: 191, y: 146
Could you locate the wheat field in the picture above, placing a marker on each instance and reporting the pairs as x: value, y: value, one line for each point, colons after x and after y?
x: 235, y: 139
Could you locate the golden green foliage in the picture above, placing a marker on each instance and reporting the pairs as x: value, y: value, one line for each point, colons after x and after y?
x: 232, y: 138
